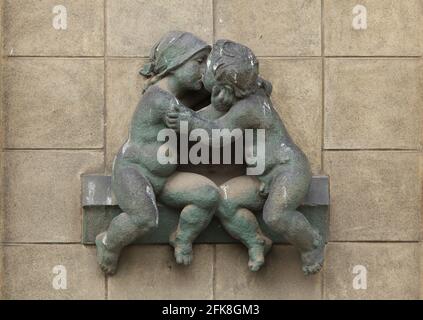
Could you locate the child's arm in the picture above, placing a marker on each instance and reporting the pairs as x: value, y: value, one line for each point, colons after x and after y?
x: 240, y: 116
x: 210, y: 113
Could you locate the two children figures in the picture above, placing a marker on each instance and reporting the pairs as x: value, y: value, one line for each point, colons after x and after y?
x: 180, y: 66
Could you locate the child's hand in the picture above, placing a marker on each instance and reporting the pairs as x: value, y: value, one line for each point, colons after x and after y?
x: 264, y: 190
x: 175, y: 114
x: 222, y: 98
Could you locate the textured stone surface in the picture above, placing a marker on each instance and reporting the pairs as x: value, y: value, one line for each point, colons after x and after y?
x: 280, y: 278
x: 150, y: 272
x: 421, y: 271
x: 28, y: 272
x: 43, y: 192
x: 297, y: 95
x: 393, y: 28
x: 1, y: 159
x: 392, y: 270
x: 134, y: 26
x: 373, y: 103
x: 271, y: 27
x: 29, y: 30
x: 124, y: 89
x: 375, y: 196
x: 54, y: 103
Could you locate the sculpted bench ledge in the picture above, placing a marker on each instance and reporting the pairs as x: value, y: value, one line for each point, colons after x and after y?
x: 100, y: 207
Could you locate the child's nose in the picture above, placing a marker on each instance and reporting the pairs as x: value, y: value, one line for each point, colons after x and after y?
x: 203, y: 67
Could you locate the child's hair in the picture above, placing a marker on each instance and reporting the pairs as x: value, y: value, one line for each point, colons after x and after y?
x: 265, y: 85
x: 236, y: 66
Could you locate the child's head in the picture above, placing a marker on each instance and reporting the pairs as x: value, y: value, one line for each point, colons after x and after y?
x: 179, y: 53
x: 233, y: 68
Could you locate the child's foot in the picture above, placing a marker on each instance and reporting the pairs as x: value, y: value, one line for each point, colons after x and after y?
x: 313, y: 259
x: 257, y: 253
x: 183, y: 250
x: 107, y: 259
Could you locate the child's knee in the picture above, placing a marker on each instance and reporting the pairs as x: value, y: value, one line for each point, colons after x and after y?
x: 228, y: 205
x: 144, y: 221
x: 276, y: 219
x: 289, y: 221
x: 209, y: 197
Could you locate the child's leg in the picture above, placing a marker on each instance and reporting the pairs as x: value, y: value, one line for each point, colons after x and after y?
x: 280, y: 214
x: 136, y: 198
x: 240, y: 196
x: 198, y: 198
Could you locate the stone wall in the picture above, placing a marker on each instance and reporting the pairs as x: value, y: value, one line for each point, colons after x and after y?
x: 352, y: 99
x: 1, y: 159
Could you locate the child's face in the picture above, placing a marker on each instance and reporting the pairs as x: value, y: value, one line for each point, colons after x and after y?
x: 189, y: 75
x: 209, y: 79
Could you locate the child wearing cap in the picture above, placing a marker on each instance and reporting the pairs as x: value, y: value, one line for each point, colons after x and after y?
x: 176, y: 67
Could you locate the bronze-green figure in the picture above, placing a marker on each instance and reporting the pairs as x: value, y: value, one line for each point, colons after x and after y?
x: 242, y: 99
x: 180, y: 65
x: 175, y: 71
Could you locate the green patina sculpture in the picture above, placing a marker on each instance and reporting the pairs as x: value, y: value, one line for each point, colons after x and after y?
x: 240, y: 99
x: 176, y: 69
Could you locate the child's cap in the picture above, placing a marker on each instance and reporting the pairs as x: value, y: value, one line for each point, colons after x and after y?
x: 171, y: 51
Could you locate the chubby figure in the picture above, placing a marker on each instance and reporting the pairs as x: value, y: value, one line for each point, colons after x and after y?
x: 174, y: 73
x: 241, y: 99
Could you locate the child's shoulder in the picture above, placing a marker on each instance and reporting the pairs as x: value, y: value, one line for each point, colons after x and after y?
x: 156, y: 95
x: 156, y: 91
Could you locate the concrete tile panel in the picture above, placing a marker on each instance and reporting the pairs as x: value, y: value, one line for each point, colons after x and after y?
x: 392, y: 28
x: 54, y: 103
x: 151, y: 273
x: 54, y: 28
x: 280, y: 278
x: 375, y: 196
x: 43, y: 192
x: 271, y: 27
x: 134, y: 26
x: 372, y: 271
x: 373, y: 104
x: 50, y: 272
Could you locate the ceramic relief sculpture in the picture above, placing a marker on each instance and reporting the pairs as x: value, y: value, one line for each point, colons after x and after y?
x: 180, y: 67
